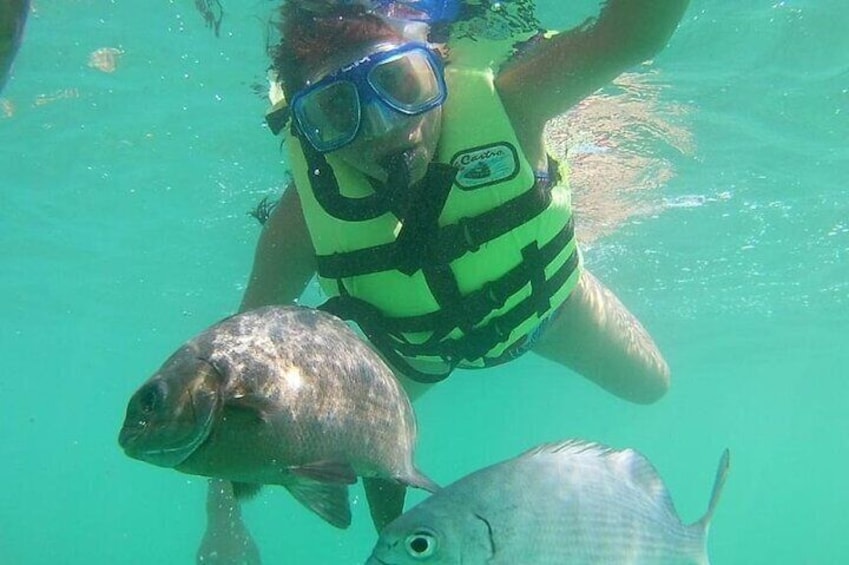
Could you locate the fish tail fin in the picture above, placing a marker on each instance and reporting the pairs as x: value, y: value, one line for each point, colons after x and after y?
x: 718, y: 484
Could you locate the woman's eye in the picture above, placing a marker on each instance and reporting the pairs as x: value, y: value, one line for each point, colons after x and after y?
x: 399, y: 81
x: 421, y: 545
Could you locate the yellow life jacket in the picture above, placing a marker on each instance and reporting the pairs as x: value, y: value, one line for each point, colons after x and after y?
x: 465, y: 273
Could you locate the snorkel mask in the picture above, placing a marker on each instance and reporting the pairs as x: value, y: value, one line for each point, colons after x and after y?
x: 411, y: 18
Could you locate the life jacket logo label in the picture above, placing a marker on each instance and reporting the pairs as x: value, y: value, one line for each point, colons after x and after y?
x: 486, y: 165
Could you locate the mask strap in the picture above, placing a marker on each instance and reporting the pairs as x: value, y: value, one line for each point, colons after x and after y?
x: 277, y: 117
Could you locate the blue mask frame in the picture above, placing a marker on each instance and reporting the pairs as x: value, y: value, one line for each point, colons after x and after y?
x: 357, y: 74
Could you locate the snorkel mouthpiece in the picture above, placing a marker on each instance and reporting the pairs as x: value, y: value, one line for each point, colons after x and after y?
x: 397, y: 167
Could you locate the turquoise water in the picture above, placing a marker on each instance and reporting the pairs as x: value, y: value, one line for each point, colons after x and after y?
x: 124, y: 231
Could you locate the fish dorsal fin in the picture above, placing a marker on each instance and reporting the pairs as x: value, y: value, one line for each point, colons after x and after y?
x: 567, y: 447
x: 645, y: 476
x: 628, y: 464
x: 330, y: 501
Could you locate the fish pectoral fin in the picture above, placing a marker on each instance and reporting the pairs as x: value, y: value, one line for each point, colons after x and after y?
x: 385, y: 500
x: 326, y: 472
x: 330, y: 501
x: 256, y: 405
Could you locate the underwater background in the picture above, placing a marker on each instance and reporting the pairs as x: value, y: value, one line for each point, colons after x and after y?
x: 132, y: 147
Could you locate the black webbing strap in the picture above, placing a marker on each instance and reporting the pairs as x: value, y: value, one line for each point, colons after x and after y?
x: 462, y: 312
x: 451, y: 241
x: 473, y: 307
x: 444, y: 288
x: 469, y: 234
x: 371, y: 321
x: 325, y: 187
x: 420, y: 222
x: 364, y: 261
x: 533, y: 257
x: 479, y: 341
x: 469, y: 310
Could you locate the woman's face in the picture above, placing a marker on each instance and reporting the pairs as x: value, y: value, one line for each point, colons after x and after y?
x: 379, y: 139
x: 385, y: 133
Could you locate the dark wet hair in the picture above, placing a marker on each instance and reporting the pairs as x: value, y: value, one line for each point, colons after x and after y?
x: 314, y: 31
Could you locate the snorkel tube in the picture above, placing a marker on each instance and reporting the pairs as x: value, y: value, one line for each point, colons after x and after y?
x: 412, y: 18
x: 427, y: 11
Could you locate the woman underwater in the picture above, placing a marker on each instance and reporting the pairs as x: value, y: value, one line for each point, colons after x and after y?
x: 423, y: 196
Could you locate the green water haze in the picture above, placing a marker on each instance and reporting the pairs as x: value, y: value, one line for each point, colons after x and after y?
x: 124, y: 231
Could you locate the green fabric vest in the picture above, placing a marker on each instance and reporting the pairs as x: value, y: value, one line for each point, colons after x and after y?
x: 479, y: 274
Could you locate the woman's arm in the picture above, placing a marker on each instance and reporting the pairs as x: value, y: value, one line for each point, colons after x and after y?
x: 559, y: 71
x: 284, y: 261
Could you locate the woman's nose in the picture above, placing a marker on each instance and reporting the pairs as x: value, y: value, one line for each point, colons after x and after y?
x: 378, y: 120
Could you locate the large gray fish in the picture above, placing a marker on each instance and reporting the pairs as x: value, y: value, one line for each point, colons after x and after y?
x: 13, y: 16
x: 572, y: 503
x: 280, y: 395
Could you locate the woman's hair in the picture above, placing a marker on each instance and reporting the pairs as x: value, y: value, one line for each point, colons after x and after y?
x: 312, y: 32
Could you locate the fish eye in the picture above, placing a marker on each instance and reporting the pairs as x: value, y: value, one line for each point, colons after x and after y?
x: 421, y: 544
x: 150, y: 398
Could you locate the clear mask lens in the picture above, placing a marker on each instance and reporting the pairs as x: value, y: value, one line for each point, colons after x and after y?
x: 331, y: 115
x: 406, y: 82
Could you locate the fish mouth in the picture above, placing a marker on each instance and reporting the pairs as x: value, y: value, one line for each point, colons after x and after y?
x: 135, y: 440
x: 171, y: 456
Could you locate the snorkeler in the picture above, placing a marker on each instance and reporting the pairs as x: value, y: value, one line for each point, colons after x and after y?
x: 424, y: 199
x: 13, y: 16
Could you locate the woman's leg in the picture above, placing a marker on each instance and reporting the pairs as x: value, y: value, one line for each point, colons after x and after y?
x: 226, y: 541
x: 596, y: 336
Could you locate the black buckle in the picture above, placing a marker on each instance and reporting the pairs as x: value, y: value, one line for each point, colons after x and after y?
x: 277, y: 119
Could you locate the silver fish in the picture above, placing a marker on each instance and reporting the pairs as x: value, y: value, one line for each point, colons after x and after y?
x: 13, y: 16
x: 568, y: 503
x: 279, y: 395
